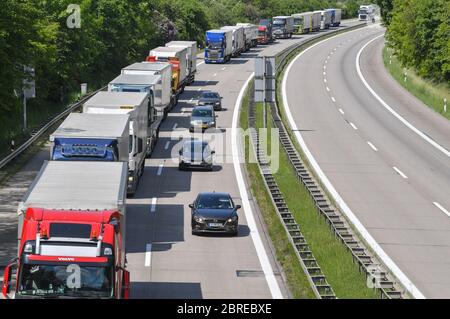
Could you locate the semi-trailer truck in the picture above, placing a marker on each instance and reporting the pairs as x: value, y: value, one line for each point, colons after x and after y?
x: 335, y: 17
x: 265, y: 31
x: 316, y: 21
x: 366, y: 13
x: 191, y: 57
x: 325, y: 20
x: 177, y: 56
x: 72, y: 234
x: 145, y: 84
x: 137, y: 106
x: 251, y: 35
x: 283, y: 27
x: 302, y: 22
x: 219, y: 46
x: 238, y: 39
x: 92, y: 137
x: 165, y: 93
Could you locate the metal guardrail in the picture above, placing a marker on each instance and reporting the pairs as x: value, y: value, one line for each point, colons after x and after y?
x: 44, y: 128
x: 373, y: 269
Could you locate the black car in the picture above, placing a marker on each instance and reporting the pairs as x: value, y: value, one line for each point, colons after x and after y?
x: 214, y: 213
x: 211, y: 98
x: 196, y: 154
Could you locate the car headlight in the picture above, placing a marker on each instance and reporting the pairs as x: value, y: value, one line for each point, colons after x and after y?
x: 199, y: 219
x: 217, y: 103
x: 232, y: 219
x: 130, y: 178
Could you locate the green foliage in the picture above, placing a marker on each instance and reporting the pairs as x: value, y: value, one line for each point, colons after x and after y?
x: 419, y: 32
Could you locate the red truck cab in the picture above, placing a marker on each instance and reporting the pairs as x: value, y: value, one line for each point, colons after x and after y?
x: 69, y: 254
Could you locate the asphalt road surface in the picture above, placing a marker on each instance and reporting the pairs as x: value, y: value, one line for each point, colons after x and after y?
x: 394, y: 180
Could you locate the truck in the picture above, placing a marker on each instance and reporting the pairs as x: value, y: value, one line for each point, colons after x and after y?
x: 316, y: 21
x: 265, y: 31
x: 325, y: 20
x: 177, y: 57
x: 191, y: 57
x: 283, y: 27
x: 91, y: 137
x: 219, y: 46
x: 335, y: 16
x: 165, y: 97
x: 251, y: 35
x: 238, y: 39
x: 366, y: 13
x: 146, y: 84
x: 137, y: 106
x: 72, y: 234
x: 302, y: 22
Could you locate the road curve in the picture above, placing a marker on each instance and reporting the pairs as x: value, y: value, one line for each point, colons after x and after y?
x: 394, y: 181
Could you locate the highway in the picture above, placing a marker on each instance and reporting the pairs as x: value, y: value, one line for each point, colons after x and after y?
x: 387, y: 161
x: 164, y: 259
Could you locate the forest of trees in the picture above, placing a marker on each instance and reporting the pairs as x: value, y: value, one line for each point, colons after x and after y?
x: 112, y: 34
x: 419, y: 32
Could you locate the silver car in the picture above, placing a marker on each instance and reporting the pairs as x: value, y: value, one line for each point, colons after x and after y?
x: 203, y: 117
x: 196, y: 154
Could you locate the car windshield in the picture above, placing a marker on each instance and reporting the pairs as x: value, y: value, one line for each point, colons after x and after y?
x: 201, y: 113
x: 214, y: 202
x: 65, y: 280
x: 210, y: 95
x: 195, y: 148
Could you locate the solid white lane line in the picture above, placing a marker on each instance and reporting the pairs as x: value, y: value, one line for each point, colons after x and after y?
x: 333, y: 99
x: 148, y: 255
x: 153, y: 207
x: 389, y: 108
x: 160, y: 169
x: 400, y: 172
x: 166, y: 147
x: 175, y: 126
x: 254, y: 233
x: 398, y: 273
x: 446, y: 212
x: 342, y: 111
x: 353, y: 125
x: 372, y: 146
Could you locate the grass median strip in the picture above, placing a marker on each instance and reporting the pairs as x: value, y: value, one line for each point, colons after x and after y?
x: 431, y: 94
x: 334, y: 259
x: 296, y: 279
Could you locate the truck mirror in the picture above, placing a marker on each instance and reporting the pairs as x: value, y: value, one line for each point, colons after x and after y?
x: 126, y: 285
x: 191, y: 205
x: 6, y: 286
x: 140, y: 145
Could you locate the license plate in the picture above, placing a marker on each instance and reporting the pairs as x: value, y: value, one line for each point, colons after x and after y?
x: 215, y: 225
x: 204, y: 126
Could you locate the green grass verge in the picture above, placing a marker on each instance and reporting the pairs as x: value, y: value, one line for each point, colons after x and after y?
x: 431, y: 94
x: 297, y: 281
x: 333, y: 257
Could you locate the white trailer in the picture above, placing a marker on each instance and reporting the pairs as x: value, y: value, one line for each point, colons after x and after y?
x: 302, y: 22
x: 336, y: 19
x: 283, y: 26
x: 325, y: 20
x: 316, y: 21
x: 192, y: 56
x: 179, y: 54
x: 137, y: 106
x: 250, y: 33
x: 238, y: 38
x: 164, y: 99
x: 78, y: 186
x: 92, y: 137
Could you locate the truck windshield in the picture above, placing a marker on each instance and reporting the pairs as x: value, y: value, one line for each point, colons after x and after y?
x: 215, y: 44
x: 66, y: 280
x: 298, y: 21
x: 363, y: 11
x: 279, y: 22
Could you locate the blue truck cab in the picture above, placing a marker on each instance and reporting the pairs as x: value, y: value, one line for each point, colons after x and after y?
x: 219, y: 46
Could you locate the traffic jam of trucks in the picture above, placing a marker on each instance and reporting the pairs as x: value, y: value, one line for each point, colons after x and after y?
x: 72, y: 219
